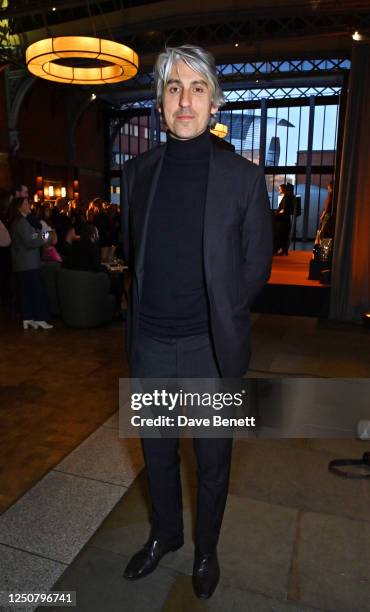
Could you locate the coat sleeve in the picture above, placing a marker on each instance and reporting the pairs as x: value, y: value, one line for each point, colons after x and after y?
x: 257, y: 236
x: 30, y: 237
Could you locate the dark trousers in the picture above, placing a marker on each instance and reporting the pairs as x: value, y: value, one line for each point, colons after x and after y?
x: 33, y: 296
x: 189, y: 357
x: 282, y: 226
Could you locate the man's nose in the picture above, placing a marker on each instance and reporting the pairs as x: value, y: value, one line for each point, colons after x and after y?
x: 185, y: 98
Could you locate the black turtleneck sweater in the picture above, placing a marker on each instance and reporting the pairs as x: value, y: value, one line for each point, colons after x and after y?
x: 174, y: 301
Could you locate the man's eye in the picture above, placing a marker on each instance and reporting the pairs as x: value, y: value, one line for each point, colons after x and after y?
x: 173, y: 89
x: 198, y: 89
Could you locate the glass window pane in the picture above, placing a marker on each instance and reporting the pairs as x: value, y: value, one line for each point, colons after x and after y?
x: 115, y: 183
x: 114, y: 136
x: 325, y: 134
x: 286, y: 136
x: 243, y: 131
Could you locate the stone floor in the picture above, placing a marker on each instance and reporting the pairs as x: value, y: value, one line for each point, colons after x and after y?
x: 294, y: 537
x: 307, y: 346
x: 74, y: 499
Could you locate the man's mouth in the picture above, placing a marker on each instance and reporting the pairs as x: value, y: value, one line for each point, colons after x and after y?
x: 186, y: 117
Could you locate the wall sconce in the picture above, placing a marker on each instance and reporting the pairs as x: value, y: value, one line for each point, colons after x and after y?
x: 51, y: 191
x: 63, y: 192
x: 39, y: 187
x: 46, y: 192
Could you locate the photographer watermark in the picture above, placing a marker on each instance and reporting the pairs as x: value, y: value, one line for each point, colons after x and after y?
x: 252, y: 407
x: 187, y: 408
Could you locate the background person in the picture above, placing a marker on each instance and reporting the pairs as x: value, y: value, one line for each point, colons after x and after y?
x: 283, y: 221
x: 26, y: 243
x: 85, y: 252
x: 85, y: 255
x: 328, y: 215
x: 65, y: 240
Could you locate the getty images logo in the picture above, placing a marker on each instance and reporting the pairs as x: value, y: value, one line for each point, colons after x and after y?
x: 169, y: 400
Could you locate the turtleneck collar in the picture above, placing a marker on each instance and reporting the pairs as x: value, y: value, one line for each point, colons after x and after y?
x: 189, y: 150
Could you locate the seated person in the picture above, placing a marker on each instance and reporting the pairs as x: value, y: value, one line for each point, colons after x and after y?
x: 60, y: 219
x: 84, y: 254
x: 65, y: 241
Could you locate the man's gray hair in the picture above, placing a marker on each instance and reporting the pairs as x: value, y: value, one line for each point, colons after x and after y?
x: 197, y: 59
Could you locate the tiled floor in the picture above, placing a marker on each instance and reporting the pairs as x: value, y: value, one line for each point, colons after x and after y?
x: 306, y: 346
x: 66, y: 479
x: 292, y: 539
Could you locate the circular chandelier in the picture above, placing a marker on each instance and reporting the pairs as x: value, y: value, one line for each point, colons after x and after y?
x: 219, y: 130
x: 81, y: 60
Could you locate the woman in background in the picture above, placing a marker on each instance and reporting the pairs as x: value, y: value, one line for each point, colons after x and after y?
x: 26, y: 243
x: 85, y: 253
x: 283, y: 221
x: 65, y: 241
x: 327, y: 217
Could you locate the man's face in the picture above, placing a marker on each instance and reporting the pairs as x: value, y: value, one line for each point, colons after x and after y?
x: 186, y: 102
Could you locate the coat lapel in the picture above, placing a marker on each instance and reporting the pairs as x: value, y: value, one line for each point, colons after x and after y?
x: 147, y: 189
x: 215, y: 195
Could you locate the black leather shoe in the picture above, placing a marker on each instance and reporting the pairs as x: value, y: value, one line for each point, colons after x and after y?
x: 206, y: 574
x: 146, y: 560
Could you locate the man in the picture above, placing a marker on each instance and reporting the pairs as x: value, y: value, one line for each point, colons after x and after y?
x: 201, y: 245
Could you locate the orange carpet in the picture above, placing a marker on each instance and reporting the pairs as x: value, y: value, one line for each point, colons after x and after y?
x: 292, y: 269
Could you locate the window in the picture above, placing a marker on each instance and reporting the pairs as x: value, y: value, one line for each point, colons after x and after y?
x: 290, y: 129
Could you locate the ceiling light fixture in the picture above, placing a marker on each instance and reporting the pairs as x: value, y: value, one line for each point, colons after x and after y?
x: 81, y: 60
